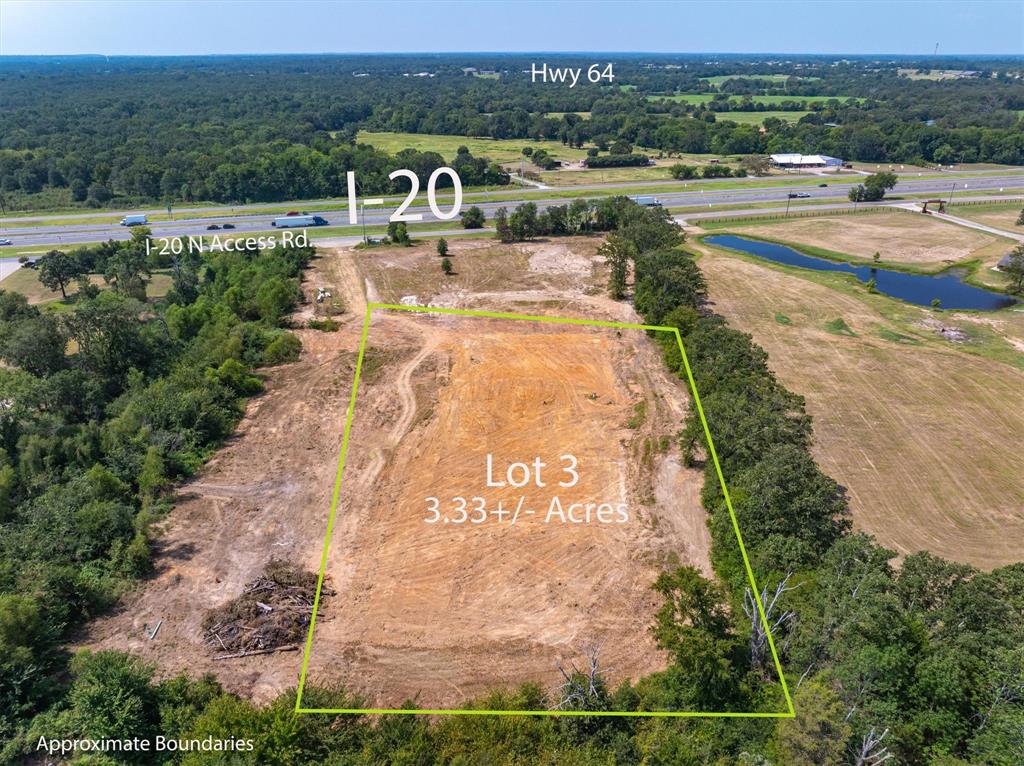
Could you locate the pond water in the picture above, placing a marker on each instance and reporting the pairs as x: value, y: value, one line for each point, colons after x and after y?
x: 920, y: 289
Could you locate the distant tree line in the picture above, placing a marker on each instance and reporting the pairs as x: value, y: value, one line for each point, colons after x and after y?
x: 208, y: 129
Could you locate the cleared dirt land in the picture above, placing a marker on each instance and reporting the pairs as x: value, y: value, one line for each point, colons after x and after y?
x: 899, y: 238
x: 921, y: 433
x: 440, y: 612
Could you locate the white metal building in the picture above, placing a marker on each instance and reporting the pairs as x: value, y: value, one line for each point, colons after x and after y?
x: 805, y: 161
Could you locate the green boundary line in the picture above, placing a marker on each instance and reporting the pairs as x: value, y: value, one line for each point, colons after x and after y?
x: 789, y: 713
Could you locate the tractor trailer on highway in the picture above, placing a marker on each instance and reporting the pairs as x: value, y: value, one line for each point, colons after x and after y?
x: 134, y: 220
x: 298, y: 221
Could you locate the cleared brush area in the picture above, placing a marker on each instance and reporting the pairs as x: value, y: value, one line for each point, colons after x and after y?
x: 440, y: 611
x: 921, y: 432
x: 480, y: 266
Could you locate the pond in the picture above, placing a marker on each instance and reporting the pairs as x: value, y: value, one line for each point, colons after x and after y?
x: 920, y: 289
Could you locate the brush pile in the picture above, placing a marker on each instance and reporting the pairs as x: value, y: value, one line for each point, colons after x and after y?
x: 272, y: 614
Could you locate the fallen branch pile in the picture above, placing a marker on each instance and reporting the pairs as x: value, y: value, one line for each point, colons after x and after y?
x: 272, y: 614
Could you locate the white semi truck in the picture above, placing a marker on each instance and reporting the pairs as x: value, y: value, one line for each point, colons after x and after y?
x: 298, y: 221
x: 134, y: 220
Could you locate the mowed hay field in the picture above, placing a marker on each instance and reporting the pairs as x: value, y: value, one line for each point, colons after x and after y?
x: 925, y: 437
x: 998, y: 216
x: 497, y: 149
x: 907, y: 238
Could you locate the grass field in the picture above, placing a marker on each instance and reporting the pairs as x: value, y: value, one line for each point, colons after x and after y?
x: 719, y: 79
x: 26, y: 282
x: 756, y: 118
x: 900, y: 238
x: 918, y: 429
x: 500, y: 150
x: 999, y: 216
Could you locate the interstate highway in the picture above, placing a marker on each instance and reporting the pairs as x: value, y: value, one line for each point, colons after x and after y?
x: 79, y: 233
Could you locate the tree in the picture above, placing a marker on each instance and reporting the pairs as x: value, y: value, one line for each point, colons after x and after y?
x: 523, y: 222
x: 693, y: 624
x: 185, y: 278
x: 442, y: 247
x: 446, y: 266
x: 617, y: 253
x: 57, y: 270
x: 108, y: 331
x: 1020, y: 218
x: 682, y: 172
x: 398, y: 233
x: 34, y: 344
x: 126, y: 270
x: 756, y: 164
x: 502, y: 229
x: 1014, y: 268
x: 473, y: 218
x: 819, y: 733
x: 876, y: 185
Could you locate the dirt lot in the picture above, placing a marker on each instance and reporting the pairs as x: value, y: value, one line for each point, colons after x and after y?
x: 899, y: 237
x: 440, y: 611
x: 921, y: 435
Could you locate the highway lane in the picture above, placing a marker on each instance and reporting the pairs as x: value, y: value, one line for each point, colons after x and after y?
x: 78, y: 233
x: 951, y: 176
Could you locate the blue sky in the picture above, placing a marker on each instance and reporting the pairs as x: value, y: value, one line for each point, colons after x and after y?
x: 161, y: 27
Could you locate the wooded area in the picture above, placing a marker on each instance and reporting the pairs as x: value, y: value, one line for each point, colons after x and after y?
x: 240, y: 129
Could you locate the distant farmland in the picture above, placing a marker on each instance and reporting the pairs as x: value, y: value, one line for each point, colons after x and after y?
x: 756, y: 118
x: 720, y: 78
x: 497, y: 149
x: 704, y: 98
x: 915, y: 427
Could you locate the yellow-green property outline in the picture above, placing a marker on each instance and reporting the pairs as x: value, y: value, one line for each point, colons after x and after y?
x: 789, y: 713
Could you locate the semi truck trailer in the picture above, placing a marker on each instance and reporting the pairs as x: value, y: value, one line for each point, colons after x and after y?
x: 298, y: 221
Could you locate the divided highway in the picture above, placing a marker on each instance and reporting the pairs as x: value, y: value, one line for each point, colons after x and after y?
x: 82, y: 232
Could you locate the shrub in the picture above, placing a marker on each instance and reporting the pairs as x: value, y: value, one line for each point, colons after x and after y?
x: 284, y: 348
x: 473, y: 218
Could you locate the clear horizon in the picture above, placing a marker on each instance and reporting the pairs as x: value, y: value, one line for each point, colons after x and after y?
x: 230, y: 27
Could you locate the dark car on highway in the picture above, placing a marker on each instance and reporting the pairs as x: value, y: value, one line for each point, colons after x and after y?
x: 212, y: 226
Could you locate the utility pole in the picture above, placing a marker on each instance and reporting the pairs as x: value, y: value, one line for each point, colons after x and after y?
x: 362, y: 214
x: 951, y: 193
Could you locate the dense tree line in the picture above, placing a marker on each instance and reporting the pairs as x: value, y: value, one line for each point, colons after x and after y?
x: 106, y: 404
x: 928, y: 654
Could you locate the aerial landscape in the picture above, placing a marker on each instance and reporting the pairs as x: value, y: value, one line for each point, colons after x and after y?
x: 389, y: 399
